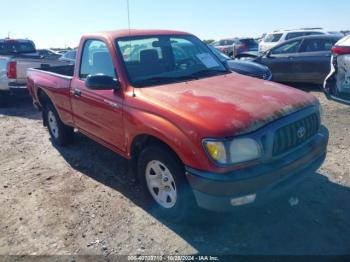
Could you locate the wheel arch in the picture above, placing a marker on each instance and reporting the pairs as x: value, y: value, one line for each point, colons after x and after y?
x: 43, y: 98
x: 142, y: 141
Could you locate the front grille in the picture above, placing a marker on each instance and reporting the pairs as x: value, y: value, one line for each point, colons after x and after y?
x: 293, y: 135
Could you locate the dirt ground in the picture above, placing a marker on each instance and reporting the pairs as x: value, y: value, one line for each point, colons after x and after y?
x: 78, y: 200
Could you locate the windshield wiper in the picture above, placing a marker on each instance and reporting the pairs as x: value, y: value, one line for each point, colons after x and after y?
x: 157, y: 80
x: 162, y: 80
x: 208, y: 72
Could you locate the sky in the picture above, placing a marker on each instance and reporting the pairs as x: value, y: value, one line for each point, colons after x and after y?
x: 60, y: 23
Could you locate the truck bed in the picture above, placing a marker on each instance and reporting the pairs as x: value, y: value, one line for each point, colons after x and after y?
x: 53, y: 81
x: 64, y: 70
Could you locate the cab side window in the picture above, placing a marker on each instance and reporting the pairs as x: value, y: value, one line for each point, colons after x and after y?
x: 288, y: 48
x: 317, y: 45
x: 96, y: 59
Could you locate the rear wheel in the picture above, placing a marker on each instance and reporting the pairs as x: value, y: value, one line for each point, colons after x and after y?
x: 162, y: 178
x: 61, y: 134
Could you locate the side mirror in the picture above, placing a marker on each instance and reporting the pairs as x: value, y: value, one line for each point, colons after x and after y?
x: 102, y: 82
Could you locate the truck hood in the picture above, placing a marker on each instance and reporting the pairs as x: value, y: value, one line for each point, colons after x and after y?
x: 224, y: 106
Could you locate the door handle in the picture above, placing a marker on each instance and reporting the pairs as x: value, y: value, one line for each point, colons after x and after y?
x: 77, y: 93
x: 111, y: 103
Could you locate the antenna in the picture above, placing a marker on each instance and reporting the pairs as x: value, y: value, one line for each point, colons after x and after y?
x: 8, y: 34
x: 129, y: 28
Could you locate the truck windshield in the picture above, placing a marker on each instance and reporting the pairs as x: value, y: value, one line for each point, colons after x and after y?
x: 156, y: 60
x: 16, y: 47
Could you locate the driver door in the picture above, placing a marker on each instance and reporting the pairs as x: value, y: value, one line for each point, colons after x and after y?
x: 98, y: 113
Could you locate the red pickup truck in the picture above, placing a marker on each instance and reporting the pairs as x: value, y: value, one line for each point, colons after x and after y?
x: 195, y: 133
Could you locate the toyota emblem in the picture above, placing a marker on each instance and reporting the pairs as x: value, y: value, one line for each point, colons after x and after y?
x: 301, y: 132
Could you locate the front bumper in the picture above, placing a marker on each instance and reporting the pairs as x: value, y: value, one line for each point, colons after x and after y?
x: 262, y: 182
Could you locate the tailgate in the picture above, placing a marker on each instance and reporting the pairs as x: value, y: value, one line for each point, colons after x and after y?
x: 24, y: 64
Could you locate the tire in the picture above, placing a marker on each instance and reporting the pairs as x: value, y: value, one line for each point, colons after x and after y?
x: 159, y: 167
x: 61, y: 134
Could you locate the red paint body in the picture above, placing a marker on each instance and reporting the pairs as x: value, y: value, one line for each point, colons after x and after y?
x: 181, y: 114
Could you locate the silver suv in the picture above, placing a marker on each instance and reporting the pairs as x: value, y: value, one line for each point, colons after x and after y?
x: 277, y: 37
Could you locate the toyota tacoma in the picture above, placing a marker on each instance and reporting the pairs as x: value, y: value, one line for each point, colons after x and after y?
x: 195, y: 133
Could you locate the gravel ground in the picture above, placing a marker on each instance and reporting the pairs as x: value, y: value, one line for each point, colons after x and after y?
x: 78, y: 200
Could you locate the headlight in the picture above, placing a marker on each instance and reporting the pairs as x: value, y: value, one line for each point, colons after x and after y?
x: 233, y: 152
x: 244, y: 149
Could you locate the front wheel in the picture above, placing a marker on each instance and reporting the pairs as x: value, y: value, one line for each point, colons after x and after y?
x: 163, y: 181
x: 61, y: 134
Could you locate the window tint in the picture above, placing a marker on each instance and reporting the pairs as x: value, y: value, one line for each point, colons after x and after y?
x: 249, y: 42
x: 314, y: 33
x: 24, y: 47
x: 16, y: 47
x: 96, y: 59
x: 299, y: 34
x: 317, y: 45
x: 288, y: 48
x: 294, y: 35
x: 272, y: 38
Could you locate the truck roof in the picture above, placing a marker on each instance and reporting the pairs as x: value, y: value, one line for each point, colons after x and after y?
x: 135, y: 32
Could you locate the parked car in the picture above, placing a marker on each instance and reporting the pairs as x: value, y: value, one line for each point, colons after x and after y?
x: 337, y: 84
x: 16, y: 56
x: 235, y: 46
x: 69, y: 56
x: 277, y: 37
x: 244, y: 67
x: 300, y: 60
x: 245, y: 45
x: 196, y: 133
x: 62, y: 52
x: 49, y: 54
x: 225, y: 46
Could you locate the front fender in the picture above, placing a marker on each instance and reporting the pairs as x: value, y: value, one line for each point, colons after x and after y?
x: 188, y: 149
